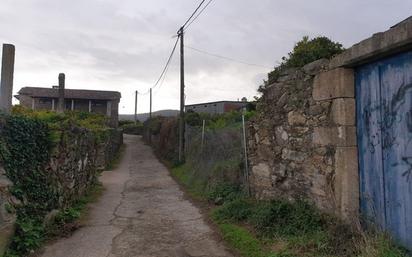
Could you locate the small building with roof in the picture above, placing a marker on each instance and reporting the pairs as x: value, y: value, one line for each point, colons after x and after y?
x: 94, y: 101
x: 218, y: 107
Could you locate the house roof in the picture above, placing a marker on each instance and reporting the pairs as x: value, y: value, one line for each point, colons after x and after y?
x: 407, y: 20
x: 231, y: 102
x: 70, y: 93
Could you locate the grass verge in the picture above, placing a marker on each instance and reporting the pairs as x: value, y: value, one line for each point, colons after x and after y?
x: 281, y: 228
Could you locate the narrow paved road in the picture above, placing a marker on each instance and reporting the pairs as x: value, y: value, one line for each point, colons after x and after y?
x: 142, y: 213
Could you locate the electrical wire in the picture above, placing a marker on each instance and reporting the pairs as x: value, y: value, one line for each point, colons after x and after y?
x: 165, y: 69
x: 227, y: 58
x: 197, y: 16
x: 193, y: 14
x: 167, y: 63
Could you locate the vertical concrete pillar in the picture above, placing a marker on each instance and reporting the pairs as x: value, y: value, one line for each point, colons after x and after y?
x: 90, y: 105
x: 32, y: 103
x: 53, y: 102
x: 60, y: 107
x: 72, y: 105
x: 338, y: 86
x: 7, y: 71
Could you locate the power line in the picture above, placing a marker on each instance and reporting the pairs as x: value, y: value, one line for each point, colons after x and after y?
x: 201, y: 11
x: 193, y: 14
x: 165, y: 69
x: 167, y: 63
x: 188, y: 22
x: 227, y: 58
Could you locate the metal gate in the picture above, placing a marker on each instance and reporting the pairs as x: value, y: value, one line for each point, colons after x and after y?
x: 384, y: 124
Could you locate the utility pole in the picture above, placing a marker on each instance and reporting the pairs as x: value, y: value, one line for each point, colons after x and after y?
x: 135, y: 107
x: 150, y: 118
x: 150, y: 113
x: 182, y: 97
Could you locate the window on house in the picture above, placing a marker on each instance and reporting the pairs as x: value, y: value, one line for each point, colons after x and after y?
x: 45, y: 100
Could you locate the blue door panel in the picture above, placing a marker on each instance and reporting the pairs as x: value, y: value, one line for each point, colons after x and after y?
x: 384, y: 101
x: 370, y: 150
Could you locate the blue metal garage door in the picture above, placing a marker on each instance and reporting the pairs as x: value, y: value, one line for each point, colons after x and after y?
x: 384, y: 123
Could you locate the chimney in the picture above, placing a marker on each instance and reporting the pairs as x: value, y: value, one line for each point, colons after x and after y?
x: 60, y: 107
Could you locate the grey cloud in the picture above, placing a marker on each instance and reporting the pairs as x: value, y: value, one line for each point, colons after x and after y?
x: 124, y: 44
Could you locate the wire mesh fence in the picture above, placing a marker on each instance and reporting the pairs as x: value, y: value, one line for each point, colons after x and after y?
x: 217, y: 155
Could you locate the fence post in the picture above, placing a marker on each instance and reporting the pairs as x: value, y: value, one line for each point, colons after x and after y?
x: 7, y: 71
x: 203, y: 136
x: 245, y: 149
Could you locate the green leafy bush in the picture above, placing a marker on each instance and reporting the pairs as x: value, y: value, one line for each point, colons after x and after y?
x: 225, y: 191
x: 280, y: 217
x: 304, y: 52
x: 242, y: 240
x: 29, y: 235
x: 238, y: 210
x: 132, y: 129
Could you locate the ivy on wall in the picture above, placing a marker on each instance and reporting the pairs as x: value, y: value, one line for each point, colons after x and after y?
x: 25, y: 152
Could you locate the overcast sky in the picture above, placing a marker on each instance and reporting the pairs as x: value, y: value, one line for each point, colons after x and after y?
x: 123, y: 45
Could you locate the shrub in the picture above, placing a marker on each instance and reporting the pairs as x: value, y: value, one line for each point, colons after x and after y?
x: 280, y: 217
x: 304, y: 52
x: 241, y: 239
x: 225, y: 191
x: 236, y: 211
x: 133, y: 129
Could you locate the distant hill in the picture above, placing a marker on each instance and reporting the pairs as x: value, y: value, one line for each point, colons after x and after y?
x: 144, y: 116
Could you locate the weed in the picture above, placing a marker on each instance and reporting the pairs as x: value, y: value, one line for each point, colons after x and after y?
x: 280, y: 217
x: 194, y: 186
x: 225, y: 191
x: 379, y: 245
x: 242, y: 240
x: 237, y: 211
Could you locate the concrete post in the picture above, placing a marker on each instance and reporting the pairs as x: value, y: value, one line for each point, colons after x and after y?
x: 61, y: 105
x: 7, y: 71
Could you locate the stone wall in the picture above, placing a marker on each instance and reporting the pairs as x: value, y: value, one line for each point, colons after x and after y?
x: 303, y: 137
x: 284, y: 154
x: 7, y: 218
x: 302, y: 143
x: 109, y: 148
x: 78, y: 159
x: 75, y: 163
